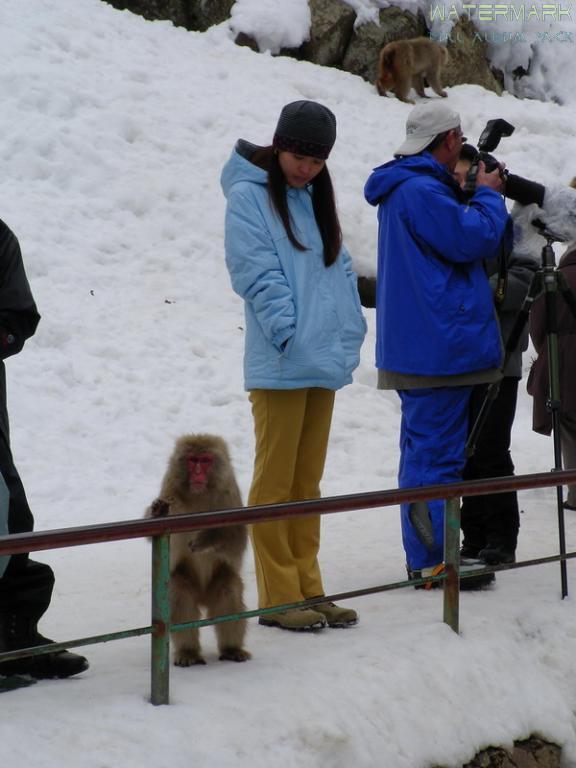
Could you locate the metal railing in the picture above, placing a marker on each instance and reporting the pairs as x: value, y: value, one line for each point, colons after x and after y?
x: 160, y: 529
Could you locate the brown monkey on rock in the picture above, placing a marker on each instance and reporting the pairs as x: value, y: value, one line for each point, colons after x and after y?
x: 404, y: 64
x: 205, y: 564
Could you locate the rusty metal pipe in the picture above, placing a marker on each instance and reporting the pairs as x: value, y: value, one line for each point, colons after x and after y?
x: 134, y: 529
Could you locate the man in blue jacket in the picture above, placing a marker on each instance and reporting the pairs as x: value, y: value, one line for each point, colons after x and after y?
x: 437, y: 333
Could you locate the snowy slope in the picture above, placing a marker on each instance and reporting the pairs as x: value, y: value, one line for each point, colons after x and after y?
x: 113, y: 133
x: 535, y: 38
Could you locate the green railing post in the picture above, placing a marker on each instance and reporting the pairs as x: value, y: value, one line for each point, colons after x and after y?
x: 160, y: 619
x: 452, y: 562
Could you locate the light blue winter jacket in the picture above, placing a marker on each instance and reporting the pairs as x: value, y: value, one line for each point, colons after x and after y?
x: 304, y: 324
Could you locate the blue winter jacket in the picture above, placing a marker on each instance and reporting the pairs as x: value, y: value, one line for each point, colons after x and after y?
x: 304, y: 324
x: 434, y: 307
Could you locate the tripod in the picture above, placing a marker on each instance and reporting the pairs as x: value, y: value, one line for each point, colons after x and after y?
x: 549, y: 280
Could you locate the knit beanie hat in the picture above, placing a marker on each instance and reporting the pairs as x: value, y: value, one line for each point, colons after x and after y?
x: 305, y: 128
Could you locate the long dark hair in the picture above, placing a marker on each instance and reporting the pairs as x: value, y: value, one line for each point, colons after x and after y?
x: 323, y: 203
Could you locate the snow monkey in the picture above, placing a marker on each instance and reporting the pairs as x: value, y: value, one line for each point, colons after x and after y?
x: 405, y: 63
x: 204, y: 564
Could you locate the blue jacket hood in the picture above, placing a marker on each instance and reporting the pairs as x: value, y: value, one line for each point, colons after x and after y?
x: 240, y: 168
x: 386, y: 178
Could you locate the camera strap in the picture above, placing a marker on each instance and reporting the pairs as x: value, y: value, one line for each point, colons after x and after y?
x: 502, y: 282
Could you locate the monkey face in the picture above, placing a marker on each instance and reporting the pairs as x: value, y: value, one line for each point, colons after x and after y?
x: 199, y: 466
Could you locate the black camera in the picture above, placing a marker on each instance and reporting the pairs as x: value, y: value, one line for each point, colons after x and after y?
x: 492, y: 133
x: 489, y: 140
x: 516, y: 188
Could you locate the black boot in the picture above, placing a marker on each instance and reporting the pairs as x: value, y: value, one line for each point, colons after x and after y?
x: 495, y: 553
x: 469, y: 552
x: 17, y: 632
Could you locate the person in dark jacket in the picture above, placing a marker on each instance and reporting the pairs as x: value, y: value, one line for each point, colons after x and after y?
x: 538, y: 384
x: 25, y: 586
x: 437, y: 333
x: 490, y: 523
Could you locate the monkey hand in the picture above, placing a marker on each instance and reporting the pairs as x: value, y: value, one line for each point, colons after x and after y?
x: 159, y: 508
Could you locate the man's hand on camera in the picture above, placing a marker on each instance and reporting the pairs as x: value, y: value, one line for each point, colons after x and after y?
x: 494, y: 179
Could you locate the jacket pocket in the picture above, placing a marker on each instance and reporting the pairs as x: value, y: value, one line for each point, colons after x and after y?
x: 315, y: 350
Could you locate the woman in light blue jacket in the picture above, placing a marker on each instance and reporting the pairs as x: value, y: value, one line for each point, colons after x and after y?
x: 304, y: 330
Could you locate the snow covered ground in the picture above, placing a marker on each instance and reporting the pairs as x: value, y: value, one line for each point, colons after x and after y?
x: 113, y: 132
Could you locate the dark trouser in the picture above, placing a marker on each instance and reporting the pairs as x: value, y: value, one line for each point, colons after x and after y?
x: 568, y: 439
x: 26, y: 587
x: 492, y: 520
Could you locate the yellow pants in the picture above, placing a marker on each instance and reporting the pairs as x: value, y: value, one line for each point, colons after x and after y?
x: 292, y: 428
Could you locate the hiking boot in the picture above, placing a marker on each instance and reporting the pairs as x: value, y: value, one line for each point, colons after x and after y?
x: 336, y: 616
x: 425, y: 572
x: 466, y: 584
x: 474, y: 582
x: 496, y: 555
x: 469, y: 552
x: 296, y: 620
x: 17, y: 632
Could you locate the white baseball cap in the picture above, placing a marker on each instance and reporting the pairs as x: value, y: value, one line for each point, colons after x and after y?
x: 424, y: 123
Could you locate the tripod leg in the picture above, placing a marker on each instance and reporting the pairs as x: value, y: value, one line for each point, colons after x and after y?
x: 492, y: 392
x: 491, y: 395
x: 534, y: 291
x: 551, y: 283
